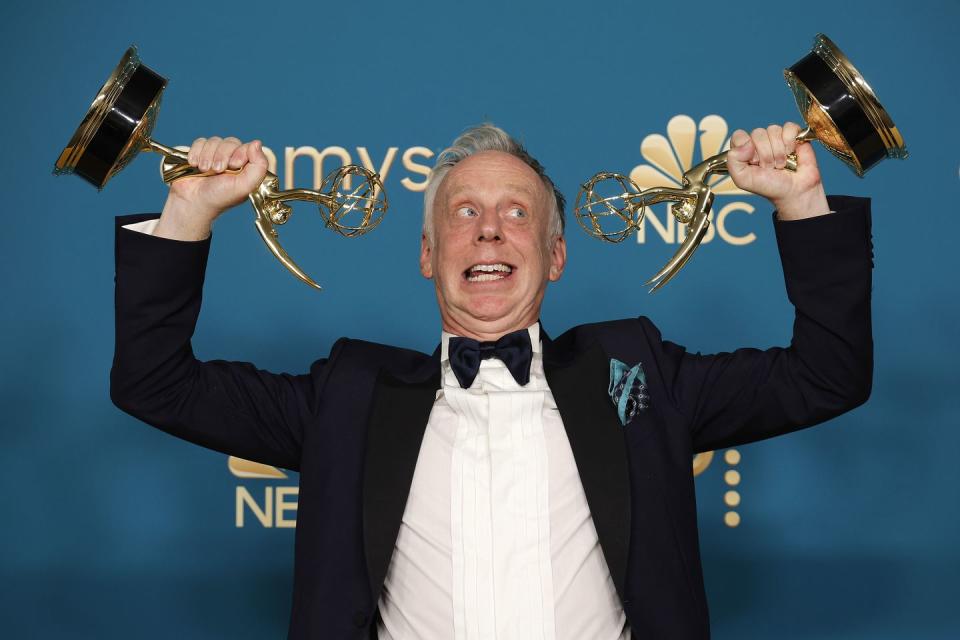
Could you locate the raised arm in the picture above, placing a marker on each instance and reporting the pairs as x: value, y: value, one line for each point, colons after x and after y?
x: 227, y: 406
x: 194, y: 203
x: 826, y: 252
x: 751, y: 394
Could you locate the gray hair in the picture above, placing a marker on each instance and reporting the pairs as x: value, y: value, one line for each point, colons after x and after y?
x: 487, y: 137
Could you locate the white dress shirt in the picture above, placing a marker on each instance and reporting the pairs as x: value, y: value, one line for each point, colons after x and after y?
x: 497, y: 540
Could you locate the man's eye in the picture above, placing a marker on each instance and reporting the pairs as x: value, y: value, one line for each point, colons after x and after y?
x: 467, y: 212
x: 517, y: 212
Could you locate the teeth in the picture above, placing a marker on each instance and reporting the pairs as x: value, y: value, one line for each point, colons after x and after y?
x: 485, y: 277
x: 490, y: 267
x: 488, y: 272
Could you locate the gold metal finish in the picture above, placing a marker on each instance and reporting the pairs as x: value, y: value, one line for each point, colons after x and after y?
x: 610, y: 206
x: 350, y: 212
x: 352, y: 200
x: 98, y: 111
x: 819, y: 118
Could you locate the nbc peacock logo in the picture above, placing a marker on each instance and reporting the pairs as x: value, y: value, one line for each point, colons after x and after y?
x: 668, y: 157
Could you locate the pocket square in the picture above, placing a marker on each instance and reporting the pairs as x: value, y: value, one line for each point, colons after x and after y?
x: 627, y: 389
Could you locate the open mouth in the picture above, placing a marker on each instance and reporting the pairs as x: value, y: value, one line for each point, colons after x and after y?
x: 488, y: 272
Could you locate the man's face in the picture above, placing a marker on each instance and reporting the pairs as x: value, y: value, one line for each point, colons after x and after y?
x: 491, y: 257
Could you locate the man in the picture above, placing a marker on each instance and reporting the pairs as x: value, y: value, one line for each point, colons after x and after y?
x: 498, y: 488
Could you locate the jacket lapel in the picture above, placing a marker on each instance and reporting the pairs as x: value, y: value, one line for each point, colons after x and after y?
x: 398, y: 419
x: 578, y: 381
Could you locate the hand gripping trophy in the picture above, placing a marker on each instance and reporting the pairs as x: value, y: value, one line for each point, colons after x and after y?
x: 840, y: 110
x: 118, y: 126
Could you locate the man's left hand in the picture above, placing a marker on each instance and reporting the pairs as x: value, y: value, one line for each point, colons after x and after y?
x: 756, y: 163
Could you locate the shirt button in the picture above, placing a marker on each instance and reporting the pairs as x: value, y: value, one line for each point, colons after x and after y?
x: 359, y: 619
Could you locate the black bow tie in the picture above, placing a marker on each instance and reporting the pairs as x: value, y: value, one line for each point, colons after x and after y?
x: 513, y: 349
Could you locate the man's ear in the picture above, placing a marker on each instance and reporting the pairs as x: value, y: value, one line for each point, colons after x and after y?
x: 426, y: 264
x: 558, y: 258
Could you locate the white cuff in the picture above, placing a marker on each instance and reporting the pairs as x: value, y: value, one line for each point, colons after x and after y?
x: 147, y: 226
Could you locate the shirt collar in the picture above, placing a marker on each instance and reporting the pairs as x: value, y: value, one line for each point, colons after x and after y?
x: 534, y: 330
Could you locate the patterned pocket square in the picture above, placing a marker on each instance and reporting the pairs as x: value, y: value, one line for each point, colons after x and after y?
x: 628, y: 390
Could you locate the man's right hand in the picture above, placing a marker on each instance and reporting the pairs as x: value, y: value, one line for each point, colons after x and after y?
x: 194, y: 203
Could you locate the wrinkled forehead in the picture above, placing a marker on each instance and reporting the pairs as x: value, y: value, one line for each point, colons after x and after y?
x: 492, y: 173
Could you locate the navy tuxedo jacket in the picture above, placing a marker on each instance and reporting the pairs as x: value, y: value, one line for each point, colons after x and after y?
x: 353, y: 425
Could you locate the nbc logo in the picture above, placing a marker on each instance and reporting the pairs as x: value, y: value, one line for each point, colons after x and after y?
x: 278, y: 507
x: 667, y: 159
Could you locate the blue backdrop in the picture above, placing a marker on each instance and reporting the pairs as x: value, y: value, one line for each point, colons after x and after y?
x: 111, y: 529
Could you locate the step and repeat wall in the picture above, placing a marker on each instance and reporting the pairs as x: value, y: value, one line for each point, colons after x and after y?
x: 113, y: 529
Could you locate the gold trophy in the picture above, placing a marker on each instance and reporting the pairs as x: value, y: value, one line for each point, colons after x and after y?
x: 118, y: 126
x: 840, y: 110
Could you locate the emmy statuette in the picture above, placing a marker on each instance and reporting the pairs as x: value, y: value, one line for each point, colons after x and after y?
x: 119, y: 124
x: 840, y: 110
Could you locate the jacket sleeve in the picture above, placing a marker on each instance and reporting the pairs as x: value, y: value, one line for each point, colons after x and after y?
x: 750, y: 394
x: 231, y: 407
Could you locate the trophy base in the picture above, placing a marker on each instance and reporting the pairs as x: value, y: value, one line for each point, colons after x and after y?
x: 117, y: 125
x: 842, y: 109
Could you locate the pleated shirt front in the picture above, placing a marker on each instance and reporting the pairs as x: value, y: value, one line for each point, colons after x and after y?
x: 496, y: 540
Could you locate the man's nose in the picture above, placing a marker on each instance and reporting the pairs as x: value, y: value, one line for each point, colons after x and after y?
x: 490, y: 229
